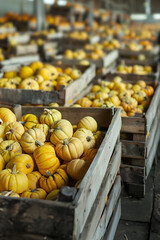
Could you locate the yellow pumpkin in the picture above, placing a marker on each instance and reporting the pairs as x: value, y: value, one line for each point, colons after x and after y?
x: 26, y: 72
x: 9, y: 149
x: 97, y: 102
x: 13, y: 180
x: 61, y: 129
x: 89, y: 154
x: 84, y: 102
x: 14, y: 131
x: 29, y: 121
x: 31, y: 139
x: 33, y: 179
x: 2, y: 163
x: 77, y: 168
x: 149, y: 90
x: 139, y: 96
x: 49, y: 116
x: 141, y: 83
x: 53, y: 71
x: 69, y: 149
x: 10, y: 74
x: 96, y: 88
x: 46, y: 159
x: 52, y: 195
x: 102, y: 95
x: 44, y: 72
x: 53, y: 104
x: 6, y: 115
x: 44, y: 127
x: 24, y: 163
x: 75, y: 74
x: 86, y: 137
x: 29, y: 84
x: 46, y: 86
x: 37, y: 193
x: 9, y: 194
x: 55, y: 181
x: 36, y: 65
x: 88, y: 123
x: 98, y: 136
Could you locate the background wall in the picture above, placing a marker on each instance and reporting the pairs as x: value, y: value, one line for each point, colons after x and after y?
x: 16, y: 6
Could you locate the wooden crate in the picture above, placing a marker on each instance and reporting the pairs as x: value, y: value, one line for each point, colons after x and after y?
x: 86, y: 210
x: 16, y: 60
x: 65, y: 96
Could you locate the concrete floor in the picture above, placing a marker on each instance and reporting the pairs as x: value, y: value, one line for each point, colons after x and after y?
x: 140, y: 218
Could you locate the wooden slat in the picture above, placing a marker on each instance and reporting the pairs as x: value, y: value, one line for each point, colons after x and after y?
x: 98, y: 207
x: 88, y: 191
x: 139, y: 137
x: 134, y: 161
x: 107, y: 213
x: 133, y: 149
x: 133, y: 125
x: 135, y: 190
x: 132, y: 174
x: 111, y: 230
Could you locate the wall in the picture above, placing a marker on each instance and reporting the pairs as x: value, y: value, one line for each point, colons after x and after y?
x: 16, y: 6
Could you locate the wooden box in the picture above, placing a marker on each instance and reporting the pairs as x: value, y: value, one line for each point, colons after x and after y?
x: 86, y: 214
x: 65, y: 96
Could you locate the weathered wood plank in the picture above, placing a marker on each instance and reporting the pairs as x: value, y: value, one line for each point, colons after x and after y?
x: 133, y: 125
x: 132, y: 174
x: 100, y: 202
x: 133, y: 149
x: 88, y: 191
x: 134, y: 161
x: 139, y: 137
x: 107, y: 213
x: 135, y: 190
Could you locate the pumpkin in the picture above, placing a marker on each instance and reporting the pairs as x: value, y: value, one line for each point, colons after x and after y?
x: 139, y: 96
x: 29, y: 121
x: 37, y: 193
x: 55, y: 181
x: 76, y: 105
x: 9, y: 149
x: 36, y: 65
x: 69, y: 149
x: 114, y: 100
x: 49, y: 116
x: 141, y: 83
x: 84, y: 102
x: 46, y: 86
x: 9, y: 194
x: 119, y: 87
x: 102, y: 95
x: 44, y: 127
x: 149, y: 90
x: 33, y: 179
x: 88, y: 123
x: 2, y: 163
x: 136, y: 87
x: 10, y: 74
x: 86, y: 137
x: 77, y: 168
x: 31, y: 139
x: 14, y: 131
x: 10, y: 84
x: 97, y: 102
x: 108, y: 104
x: 13, y: 180
x: 53, y: 195
x: 78, y: 183
x: 61, y: 129
x: 46, y: 159
x: 91, y: 96
x: 53, y: 71
x: 53, y: 104
x: 24, y: 163
x: 95, y: 88
x: 75, y: 74
x: 6, y: 115
x: 29, y: 84
x: 26, y: 72
x: 2, y: 130
x: 89, y: 154
x: 44, y: 72
x: 98, y: 136
x: 38, y: 78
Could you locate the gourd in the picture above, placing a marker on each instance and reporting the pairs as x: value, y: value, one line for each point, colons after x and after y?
x: 52, y: 195
x: 89, y: 154
x: 6, y: 115
x: 49, y: 116
x: 14, y: 131
x: 9, y: 149
x: 29, y: 121
x: 88, y: 123
x: 86, y: 137
x: 33, y: 179
x: 37, y: 193
x: 84, y: 102
x: 77, y: 168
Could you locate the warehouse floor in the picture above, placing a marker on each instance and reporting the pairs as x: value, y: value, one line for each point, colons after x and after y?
x: 140, y: 219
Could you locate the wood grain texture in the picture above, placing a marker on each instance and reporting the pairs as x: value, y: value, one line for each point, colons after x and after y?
x: 133, y: 174
x: 133, y: 149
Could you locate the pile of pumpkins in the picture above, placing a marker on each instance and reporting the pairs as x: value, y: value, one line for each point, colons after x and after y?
x: 39, y: 76
x: 130, y: 98
x: 135, y: 69
x: 39, y: 156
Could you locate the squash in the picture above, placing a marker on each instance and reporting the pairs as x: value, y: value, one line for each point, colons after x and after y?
x: 25, y: 72
x: 97, y: 102
x: 77, y: 168
x: 37, y: 193
x: 49, y: 182
x: 149, y: 90
x: 86, y: 137
x: 46, y: 159
x: 61, y: 129
x: 6, y: 115
x: 9, y: 149
x: 29, y: 121
x: 31, y: 139
x: 44, y: 127
x: 84, y: 102
x: 49, y: 116
x: 46, y: 86
x: 13, y: 180
x: 9, y: 194
x: 14, y: 131
x: 69, y: 149
x: 36, y: 65
x: 53, y: 195
x: 29, y: 84
x: 98, y: 136
x: 89, y: 154
x: 33, y: 179
x: 88, y: 123
x: 24, y: 163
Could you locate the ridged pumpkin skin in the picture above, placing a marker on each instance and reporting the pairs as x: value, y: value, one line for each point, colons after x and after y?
x: 24, y: 163
x: 2, y: 163
x: 6, y: 115
x: 44, y: 128
x: 29, y: 121
x: 49, y: 116
x: 14, y: 131
x: 61, y: 129
x: 88, y: 123
x: 9, y: 149
x: 86, y: 137
x: 69, y: 149
x: 52, y: 195
x: 31, y: 139
x: 13, y: 180
x: 46, y: 159
x: 9, y: 194
x: 55, y: 181
x: 33, y: 179
x: 37, y: 193
x: 77, y: 168
x: 89, y: 154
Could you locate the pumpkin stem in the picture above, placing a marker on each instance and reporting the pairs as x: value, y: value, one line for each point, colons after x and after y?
x: 14, y: 169
x: 48, y: 174
x: 51, y: 130
x: 47, y: 111
x: 22, y: 122
x: 28, y: 165
x: 9, y: 132
x: 33, y: 190
x: 8, y: 193
x: 88, y: 138
x: 38, y: 143
x: 65, y: 142
x: 1, y: 121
